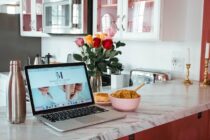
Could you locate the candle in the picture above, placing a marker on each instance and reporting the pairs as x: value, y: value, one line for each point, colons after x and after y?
x: 207, y: 50
x: 188, y: 56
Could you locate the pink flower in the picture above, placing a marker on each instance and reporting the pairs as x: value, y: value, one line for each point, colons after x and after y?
x: 80, y: 42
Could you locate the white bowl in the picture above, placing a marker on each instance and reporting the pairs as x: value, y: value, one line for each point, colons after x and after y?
x: 123, y: 104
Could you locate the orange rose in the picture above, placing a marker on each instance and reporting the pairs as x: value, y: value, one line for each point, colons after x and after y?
x: 89, y: 39
x: 97, y: 35
x: 103, y: 36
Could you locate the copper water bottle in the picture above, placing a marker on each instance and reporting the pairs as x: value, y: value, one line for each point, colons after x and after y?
x: 16, y: 103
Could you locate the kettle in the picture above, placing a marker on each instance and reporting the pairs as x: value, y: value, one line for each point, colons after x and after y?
x: 46, y: 58
x: 38, y: 60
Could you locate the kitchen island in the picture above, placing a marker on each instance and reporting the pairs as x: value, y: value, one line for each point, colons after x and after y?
x: 166, y: 111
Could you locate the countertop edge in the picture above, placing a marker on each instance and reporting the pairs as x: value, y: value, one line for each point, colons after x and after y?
x: 161, y: 120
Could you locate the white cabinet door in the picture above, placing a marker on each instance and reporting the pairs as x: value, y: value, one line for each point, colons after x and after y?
x: 141, y: 19
x: 107, y: 17
x: 31, y: 18
x: 128, y: 19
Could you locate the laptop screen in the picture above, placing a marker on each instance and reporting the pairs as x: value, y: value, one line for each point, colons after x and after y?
x: 60, y: 86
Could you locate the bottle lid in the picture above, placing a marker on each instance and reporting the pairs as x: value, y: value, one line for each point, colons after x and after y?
x: 15, y: 63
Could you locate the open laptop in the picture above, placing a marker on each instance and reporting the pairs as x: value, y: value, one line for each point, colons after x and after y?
x: 61, y: 97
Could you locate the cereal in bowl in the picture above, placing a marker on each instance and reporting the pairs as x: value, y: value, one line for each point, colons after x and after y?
x: 126, y: 94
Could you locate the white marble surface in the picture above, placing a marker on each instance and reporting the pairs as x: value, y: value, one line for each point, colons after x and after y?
x: 161, y: 103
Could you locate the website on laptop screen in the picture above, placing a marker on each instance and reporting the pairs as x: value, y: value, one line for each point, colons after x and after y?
x: 58, y: 87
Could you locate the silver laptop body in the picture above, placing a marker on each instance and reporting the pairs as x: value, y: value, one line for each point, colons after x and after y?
x: 64, y: 89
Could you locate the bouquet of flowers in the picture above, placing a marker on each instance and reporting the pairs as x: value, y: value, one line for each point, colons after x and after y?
x: 99, y: 53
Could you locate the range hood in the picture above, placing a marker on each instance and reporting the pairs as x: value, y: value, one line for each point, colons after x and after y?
x: 9, y: 2
x: 9, y: 6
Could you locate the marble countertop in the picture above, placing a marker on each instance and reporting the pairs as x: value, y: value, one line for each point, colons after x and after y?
x: 160, y: 103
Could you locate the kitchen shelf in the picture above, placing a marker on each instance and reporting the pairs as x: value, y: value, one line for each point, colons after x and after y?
x: 143, y: 0
x: 27, y: 14
x: 109, y: 5
x: 31, y: 14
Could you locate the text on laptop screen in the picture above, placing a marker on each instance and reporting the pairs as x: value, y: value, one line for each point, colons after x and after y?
x: 59, y: 87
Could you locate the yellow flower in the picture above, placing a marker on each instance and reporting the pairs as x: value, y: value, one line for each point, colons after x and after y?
x: 103, y: 36
x: 97, y: 35
x: 89, y: 39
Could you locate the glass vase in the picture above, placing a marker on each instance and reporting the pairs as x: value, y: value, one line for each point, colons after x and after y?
x: 96, y: 83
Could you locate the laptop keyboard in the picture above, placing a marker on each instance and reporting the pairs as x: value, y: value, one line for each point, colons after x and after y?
x: 73, y: 113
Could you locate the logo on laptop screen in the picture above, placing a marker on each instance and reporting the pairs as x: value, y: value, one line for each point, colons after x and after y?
x: 59, y: 75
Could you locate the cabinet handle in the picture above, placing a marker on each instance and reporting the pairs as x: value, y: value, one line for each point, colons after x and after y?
x: 131, y: 137
x: 199, y: 116
x: 118, y: 17
x: 32, y: 25
x: 123, y: 28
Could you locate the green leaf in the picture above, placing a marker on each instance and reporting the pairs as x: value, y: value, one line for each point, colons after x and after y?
x: 88, y: 49
x: 91, y: 73
x: 92, y: 55
x: 102, y: 66
x: 119, y: 44
x: 90, y: 66
x: 85, y: 58
x: 86, y: 45
x: 107, y: 54
x: 119, y: 52
x: 99, y: 51
x: 77, y: 57
x: 113, y: 54
x: 115, y: 59
x: 115, y: 67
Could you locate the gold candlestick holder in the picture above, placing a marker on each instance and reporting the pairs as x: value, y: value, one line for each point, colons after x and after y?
x: 187, y: 80
x: 206, y: 81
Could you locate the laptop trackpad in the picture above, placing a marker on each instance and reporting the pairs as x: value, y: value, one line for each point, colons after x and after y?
x: 89, y: 119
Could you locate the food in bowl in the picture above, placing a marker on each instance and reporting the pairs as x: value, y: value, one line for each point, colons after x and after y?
x: 101, y: 97
x: 127, y: 94
x: 125, y: 100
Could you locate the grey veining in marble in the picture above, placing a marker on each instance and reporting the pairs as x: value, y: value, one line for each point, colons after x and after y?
x: 160, y: 104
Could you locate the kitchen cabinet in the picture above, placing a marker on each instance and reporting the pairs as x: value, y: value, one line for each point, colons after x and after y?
x: 174, y: 17
x: 195, y: 127
x: 205, y: 37
x: 158, y: 133
x: 209, y: 125
x: 129, y: 20
x: 67, y: 17
x: 3, y: 89
x: 31, y: 18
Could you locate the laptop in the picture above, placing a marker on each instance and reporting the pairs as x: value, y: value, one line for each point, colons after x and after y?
x: 61, y: 97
